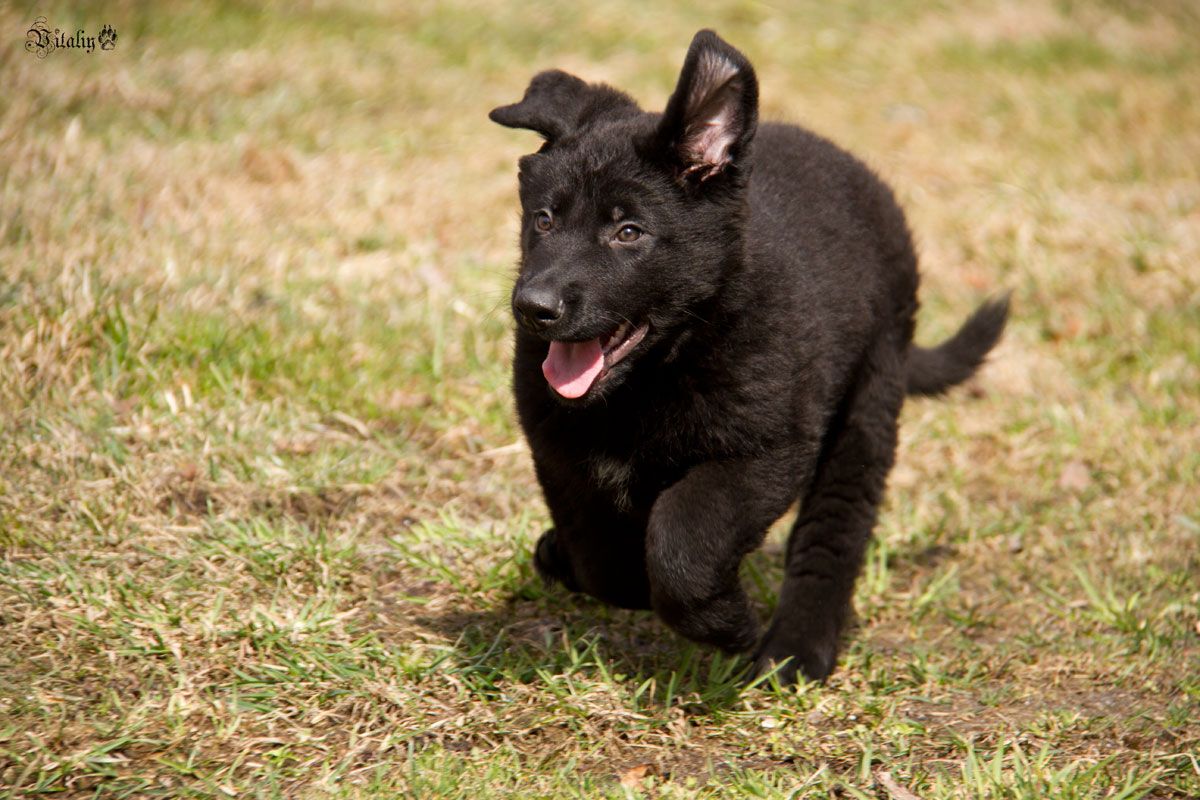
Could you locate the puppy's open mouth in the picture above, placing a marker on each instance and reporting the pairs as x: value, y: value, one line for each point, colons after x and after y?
x: 573, y: 368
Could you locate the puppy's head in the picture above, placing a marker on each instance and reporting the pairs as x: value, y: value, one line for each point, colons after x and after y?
x: 630, y: 221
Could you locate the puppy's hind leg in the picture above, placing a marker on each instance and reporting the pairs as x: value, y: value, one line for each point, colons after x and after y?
x: 830, y: 536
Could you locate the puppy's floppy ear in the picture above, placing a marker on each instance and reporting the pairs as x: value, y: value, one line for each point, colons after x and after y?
x: 710, y: 119
x: 557, y: 104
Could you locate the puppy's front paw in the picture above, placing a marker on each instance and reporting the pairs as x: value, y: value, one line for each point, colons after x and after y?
x: 794, y: 656
x: 550, y: 564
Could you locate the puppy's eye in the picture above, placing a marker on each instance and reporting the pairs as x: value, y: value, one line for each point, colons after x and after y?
x: 629, y: 233
x: 542, y: 221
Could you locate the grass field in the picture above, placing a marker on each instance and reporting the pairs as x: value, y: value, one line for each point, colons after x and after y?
x: 265, y: 514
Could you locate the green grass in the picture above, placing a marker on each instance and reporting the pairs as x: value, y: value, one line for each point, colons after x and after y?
x: 265, y: 516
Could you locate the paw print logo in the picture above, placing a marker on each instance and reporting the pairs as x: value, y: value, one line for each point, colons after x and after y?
x: 108, y: 38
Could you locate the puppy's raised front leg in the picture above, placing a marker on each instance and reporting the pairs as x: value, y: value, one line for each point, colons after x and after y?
x: 699, y: 531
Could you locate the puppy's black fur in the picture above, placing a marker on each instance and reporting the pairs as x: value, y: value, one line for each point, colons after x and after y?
x: 715, y: 320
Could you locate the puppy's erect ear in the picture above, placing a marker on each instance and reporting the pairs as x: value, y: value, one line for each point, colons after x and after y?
x: 710, y: 119
x: 557, y: 104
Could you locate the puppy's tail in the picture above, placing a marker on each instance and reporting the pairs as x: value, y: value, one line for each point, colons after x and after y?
x: 933, y: 370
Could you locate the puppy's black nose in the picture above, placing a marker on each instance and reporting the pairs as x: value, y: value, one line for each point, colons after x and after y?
x: 537, y: 309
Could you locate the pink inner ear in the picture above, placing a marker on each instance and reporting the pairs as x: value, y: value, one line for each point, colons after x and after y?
x: 712, y: 129
x: 711, y: 144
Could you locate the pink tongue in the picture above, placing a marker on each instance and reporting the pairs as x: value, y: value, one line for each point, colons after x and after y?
x: 572, y: 367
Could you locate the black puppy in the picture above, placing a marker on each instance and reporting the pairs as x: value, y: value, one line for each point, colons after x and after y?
x: 715, y: 321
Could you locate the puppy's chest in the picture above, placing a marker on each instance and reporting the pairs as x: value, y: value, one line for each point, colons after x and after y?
x: 634, y: 468
x: 613, y: 476
x: 628, y: 483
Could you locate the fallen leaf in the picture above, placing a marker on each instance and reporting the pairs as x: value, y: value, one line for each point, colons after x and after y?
x: 267, y: 166
x: 1075, y: 477
x: 299, y: 446
x: 977, y: 280
x: 125, y: 406
x: 401, y: 399
x: 632, y: 778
